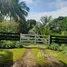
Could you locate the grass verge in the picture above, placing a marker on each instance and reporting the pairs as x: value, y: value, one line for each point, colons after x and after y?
x: 59, y: 55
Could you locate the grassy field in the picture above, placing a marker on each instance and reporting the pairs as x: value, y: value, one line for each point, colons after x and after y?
x: 7, y: 55
x: 59, y: 55
x: 17, y: 53
x: 10, y: 55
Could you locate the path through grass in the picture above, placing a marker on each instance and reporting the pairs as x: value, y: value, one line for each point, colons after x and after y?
x: 33, y: 57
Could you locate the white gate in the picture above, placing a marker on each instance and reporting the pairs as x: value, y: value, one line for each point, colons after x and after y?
x: 34, y: 39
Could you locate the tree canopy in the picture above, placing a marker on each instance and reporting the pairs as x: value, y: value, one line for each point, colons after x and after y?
x: 14, y: 9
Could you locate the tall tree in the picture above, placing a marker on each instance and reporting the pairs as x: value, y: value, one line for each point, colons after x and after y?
x: 28, y: 26
x: 59, y: 24
x: 45, y: 22
x: 14, y: 9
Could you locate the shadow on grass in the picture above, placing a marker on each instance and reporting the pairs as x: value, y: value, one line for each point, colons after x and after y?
x: 34, y: 48
x: 64, y: 64
x: 53, y: 64
x: 6, y: 58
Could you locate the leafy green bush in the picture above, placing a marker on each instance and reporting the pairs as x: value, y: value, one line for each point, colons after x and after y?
x: 10, y: 44
x: 54, y: 46
x: 7, y: 44
x: 65, y: 50
x: 61, y: 48
x: 18, y: 45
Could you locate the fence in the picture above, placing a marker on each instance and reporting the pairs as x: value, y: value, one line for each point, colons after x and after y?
x: 34, y: 38
x: 58, y: 39
x: 9, y: 36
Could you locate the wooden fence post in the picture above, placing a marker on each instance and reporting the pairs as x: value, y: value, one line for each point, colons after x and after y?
x: 20, y: 38
x: 35, y: 38
x: 49, y: 39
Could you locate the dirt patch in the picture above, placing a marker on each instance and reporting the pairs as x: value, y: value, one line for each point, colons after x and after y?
x: 27, y: 60
x: 51, y: 61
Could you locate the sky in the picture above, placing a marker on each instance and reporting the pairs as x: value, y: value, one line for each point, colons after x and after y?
x: 39, y: 8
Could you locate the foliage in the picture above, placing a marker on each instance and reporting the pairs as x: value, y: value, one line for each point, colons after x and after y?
x: 43, y: 26
x: 46, y: 31
x: 59, y: 24
x: 10, y: 44
x: 61, y: 48
x: 54, y: 46
x: 65, y: 50
x: 48, y: 25
x: 13, y: 9
x: 9, y: 26
x: 27, y: 26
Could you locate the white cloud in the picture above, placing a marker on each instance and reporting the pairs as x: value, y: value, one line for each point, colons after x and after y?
x: 58, y: 4
x: 61, y: 3
x: 54, y: 14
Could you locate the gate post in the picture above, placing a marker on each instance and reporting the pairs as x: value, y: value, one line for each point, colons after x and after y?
x: 20, y: 38
x: 49, y: 39
x: 35, y: 38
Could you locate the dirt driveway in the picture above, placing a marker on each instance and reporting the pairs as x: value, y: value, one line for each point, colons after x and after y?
x: 28, y: 60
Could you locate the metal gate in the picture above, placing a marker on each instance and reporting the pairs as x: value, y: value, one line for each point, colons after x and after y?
x: 34, y: 39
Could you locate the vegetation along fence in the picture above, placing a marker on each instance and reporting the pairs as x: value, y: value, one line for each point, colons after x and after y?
x: 58, y: 39
x: 33, y: 38
x: 9, y: 36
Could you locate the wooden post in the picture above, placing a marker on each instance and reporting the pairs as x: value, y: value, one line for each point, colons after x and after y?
x: 20, y: 38
x: 49, y: 39
x: 35, y: 38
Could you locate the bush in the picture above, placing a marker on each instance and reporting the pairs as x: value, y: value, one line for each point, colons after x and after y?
x: 65, y: 50
x: 61, y: 48
x: 10, y: 44
x: 18, y: 45
x: 54, y: 46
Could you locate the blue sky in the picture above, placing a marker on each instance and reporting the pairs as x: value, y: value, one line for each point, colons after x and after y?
x: 42, y: 6
x: 39, y: 8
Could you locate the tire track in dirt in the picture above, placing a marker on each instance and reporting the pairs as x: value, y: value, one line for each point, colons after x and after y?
x: 27, y: 60
x: 51, y: 61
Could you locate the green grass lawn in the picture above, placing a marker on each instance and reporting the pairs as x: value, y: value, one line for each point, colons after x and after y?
x: 7, y: 55
x: 13, y: 54
x: 38, y: 55
x: 40, y: 58
x: 17, y: 53
x: 59, y: 55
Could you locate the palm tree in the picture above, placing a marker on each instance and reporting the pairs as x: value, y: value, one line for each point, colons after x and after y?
x: 14, y: 9
x: 45, y: 20
x: 44, y: 25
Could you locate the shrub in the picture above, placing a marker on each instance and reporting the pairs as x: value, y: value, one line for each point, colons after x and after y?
x: 54, y: 46
x: 7, y: 44
x: 10, y: 44
x: 65, y: 50
x: 61, y: 47
x: 18, y: 45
